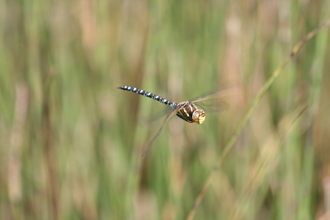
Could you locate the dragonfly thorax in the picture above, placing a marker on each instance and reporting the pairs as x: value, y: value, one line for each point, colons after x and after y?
x: 190, y: 113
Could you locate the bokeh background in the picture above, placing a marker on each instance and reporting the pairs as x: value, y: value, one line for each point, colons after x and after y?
x: 71, y: 141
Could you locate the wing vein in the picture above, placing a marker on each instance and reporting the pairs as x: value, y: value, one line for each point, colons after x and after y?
x: 146, y: 149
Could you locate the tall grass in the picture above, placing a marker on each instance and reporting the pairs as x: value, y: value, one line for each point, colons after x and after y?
x: 71, y: 142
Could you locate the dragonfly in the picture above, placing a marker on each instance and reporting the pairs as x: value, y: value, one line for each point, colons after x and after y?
x: 188, y: 111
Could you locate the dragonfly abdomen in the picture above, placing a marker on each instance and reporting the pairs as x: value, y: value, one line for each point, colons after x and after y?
x: 148, y: 94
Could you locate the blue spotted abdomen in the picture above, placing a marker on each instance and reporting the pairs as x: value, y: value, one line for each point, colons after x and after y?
x: 148, y: 94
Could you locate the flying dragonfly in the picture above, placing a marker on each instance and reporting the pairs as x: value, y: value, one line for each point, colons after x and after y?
x: 189, y: 111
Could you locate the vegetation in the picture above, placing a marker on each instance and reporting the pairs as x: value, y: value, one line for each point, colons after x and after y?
x: 71, y: 142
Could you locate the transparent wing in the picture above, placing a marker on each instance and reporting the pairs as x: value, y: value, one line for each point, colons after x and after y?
x: 214, y: 107
x: 146, y: 149
x: 149, y: 121
x: 217, y: 95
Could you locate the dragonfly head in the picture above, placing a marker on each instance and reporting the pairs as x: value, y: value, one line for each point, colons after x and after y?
x: 198, y: 116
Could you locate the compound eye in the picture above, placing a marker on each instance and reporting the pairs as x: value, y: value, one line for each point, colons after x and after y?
x: 198, y: 116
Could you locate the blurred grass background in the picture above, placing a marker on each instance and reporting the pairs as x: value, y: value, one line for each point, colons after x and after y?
x: 70, y: 141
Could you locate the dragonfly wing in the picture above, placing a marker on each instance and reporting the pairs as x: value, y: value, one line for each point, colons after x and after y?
x: 149, y: 121
x: 217, y: 94
x: 214, y: 107
x: 146, y: 149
